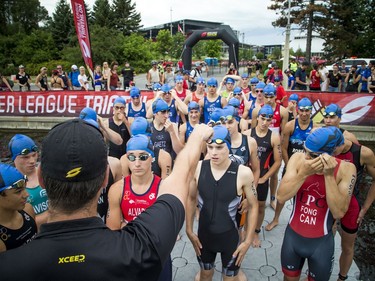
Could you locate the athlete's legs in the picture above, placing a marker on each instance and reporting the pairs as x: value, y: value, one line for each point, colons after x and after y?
x: 206, y: 275
x: 349, y: 227
x: 273, y: 186
x: 275, y: 221
x: 261, y: 211
x: 347, y: 252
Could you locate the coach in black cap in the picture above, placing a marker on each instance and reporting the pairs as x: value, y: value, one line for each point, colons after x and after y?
x: 75, y: 244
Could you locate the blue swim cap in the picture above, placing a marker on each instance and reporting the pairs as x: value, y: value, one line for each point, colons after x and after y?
x: 135, y: 92
x: 324, y: 140
x: 159, y: 105
x: 260, y: 85
x: 333, y: 109
x: 179, y: 78
x: 234, y: 102
x: 165, y: 88
x: 237, y: 90
x: 230, y: 110
x: 276, y: 79
x: 119, y: 100
x: 156, y: 87
x: 229, y: 80
x: 212, y: 82
x: 244, y: 75
x: 140, y: 126
x: 140, y: 142
x: 200, y: 80
x: 305, y: 103
x: 21, y: 145
x: 193, y: 106
x: 8, y: 176
x: 89, y: 115
x: 269, y: 90
x: 254, y: 80
x: 216, y: 114
x: 293, y: 97
x: 221, y: 133
x: 267, y: 110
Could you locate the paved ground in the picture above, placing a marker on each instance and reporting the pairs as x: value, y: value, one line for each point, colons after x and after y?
x: 260, y: 264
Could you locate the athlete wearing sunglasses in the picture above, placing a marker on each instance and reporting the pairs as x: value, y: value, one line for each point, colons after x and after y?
x: 15, y: 211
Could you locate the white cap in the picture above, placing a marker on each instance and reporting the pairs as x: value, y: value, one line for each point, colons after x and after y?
x: 74, y: 67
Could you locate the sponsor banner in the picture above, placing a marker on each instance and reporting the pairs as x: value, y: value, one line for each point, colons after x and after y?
x: 82, y: 30
x: 357, y: 109
x: 60, y: 103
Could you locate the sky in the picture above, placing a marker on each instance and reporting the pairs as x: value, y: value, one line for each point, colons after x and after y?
x: 250, y: 17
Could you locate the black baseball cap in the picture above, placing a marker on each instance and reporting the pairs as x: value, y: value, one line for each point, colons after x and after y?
x: 74, y: 151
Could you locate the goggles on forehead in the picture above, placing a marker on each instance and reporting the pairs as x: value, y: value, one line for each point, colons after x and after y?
x: 268, y: 95
x: 305, y: 108
x: 211, y: 86
x: 329, y: 114
x: 164, y: 111
x: 217, y: 141
x: 142, y: 157
x: 26, y: 151
x: 135, y: 97
x: 18, y: 184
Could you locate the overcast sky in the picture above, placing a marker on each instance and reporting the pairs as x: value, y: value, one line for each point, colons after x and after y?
x: 250, y: 17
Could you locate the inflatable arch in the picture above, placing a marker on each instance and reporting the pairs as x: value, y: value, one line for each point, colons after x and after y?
x: 211, y: 34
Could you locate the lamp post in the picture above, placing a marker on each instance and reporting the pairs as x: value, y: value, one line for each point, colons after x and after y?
x: 286, y: 47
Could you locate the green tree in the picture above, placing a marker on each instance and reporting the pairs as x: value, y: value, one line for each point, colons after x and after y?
x: 177, y: 45
x: 21, y: 16
x: 276, y: 53
x: 212, y: 48
x: 357, y: 38
x: 127, y: 20
x: 164, y: 42
x: 36, y: 47
x: 199, y: 50
x: 260, y: 56
x: 102, y: 14
x: 138, y: 51
x: 106, y: 44
x: 62, y: 24
x: 299, y: 53
x: 309, y: 15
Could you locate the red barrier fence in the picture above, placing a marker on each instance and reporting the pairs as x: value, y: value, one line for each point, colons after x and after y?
x: 357, y: 109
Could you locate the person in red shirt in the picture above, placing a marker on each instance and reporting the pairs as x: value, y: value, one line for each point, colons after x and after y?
x: 280, y: 91
x: 315, y: 78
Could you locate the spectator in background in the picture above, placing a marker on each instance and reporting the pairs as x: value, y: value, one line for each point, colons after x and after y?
x: 371, y: 81
x: 258, y: 68
x: 98, y: 78
x: 301, y: 75
x: 280, y: 91
x: 128, y: 74
x: 153, y: 75
x: 291, y: 79
x: 64, y: 76
x: 56, y: 82
x: 315, y: 78
x: 113, y: 81
x: 168, y: 76
x: 73, y: 76
x: 180, y: 66
x: 365, y: 74
x: 232, y: 70
x: 106, y: 71
x: 249, y: 67
x: 41, y: 80
x: 352, y: 80
x: 344, y: 70
x: 5, y: 83
x: 323, y: 76
x: 186, y: 75
x: 293, y: 66
x: 23, y: 79
x: 82, y: 78
x: 334, y: 80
